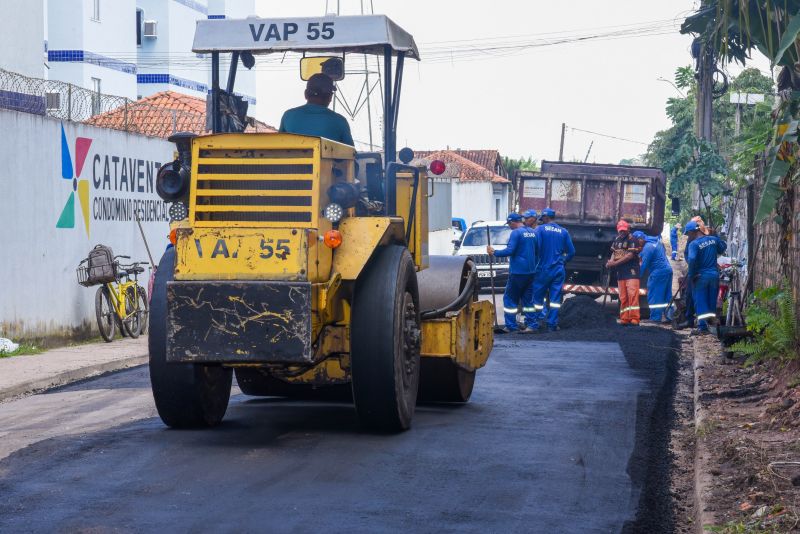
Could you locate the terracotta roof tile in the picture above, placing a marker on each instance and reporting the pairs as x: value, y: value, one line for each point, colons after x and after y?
x: 462, y: 168
x: 162, y: 114
x: 487, y: 158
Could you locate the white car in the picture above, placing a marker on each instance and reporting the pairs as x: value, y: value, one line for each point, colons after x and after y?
x: 474, y: 244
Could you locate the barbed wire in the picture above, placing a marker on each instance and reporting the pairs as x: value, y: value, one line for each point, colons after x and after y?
x: 69, y: 102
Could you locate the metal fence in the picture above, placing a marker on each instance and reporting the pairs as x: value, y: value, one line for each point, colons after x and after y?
x: 65, y: 101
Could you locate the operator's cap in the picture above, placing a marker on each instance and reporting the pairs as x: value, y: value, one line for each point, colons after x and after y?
x: 638, y: 234
x: 514, y: 217
x: 529, y: 213
x: 320, y: 85
x: 548, y: 212
x: 691, y: 226
x: 623, y: 225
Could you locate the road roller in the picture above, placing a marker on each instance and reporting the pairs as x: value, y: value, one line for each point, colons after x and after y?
x: 300, y: 265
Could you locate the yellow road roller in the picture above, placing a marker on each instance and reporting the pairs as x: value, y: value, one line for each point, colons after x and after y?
x: 300, y: 264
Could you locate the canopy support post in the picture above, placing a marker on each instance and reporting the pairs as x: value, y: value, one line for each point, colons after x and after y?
x: 215, y: 118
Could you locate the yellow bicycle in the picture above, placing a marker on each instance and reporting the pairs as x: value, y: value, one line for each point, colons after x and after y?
x: 121, y: 303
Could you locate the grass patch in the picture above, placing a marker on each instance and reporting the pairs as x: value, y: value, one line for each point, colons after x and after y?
x: 706, y: 427
x: 25, y: 349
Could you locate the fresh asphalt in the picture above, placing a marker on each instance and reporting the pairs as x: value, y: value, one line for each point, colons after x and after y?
x: 548, y: 443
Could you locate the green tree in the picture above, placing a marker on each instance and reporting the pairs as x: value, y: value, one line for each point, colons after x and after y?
x: 513, y: 165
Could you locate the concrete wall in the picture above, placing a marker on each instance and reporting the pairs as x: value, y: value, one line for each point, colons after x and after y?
x: 39, y: 294
x: 22, y: 42
x: 108, y: 44
x: 477, y: 201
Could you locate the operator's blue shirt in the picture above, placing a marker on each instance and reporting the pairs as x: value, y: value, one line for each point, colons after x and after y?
x: 654, y: 258
x: 555, y: 247
x: 673, y: 239
x: 701, y: 255
x: 319, y: 121
x: 522, y: 249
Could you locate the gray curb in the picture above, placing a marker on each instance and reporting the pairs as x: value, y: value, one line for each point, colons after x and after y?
x: 68, y: 377
x: 702, y: 480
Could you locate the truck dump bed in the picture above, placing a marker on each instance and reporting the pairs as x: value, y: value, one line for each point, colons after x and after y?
x: 589, y: 199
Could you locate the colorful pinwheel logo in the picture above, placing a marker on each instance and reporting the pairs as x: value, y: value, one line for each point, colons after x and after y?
x: 82, y: 144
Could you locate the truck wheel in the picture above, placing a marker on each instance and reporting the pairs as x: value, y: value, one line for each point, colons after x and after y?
x: 441, y: 380
x: 186, y: 395
x: 385, y: 341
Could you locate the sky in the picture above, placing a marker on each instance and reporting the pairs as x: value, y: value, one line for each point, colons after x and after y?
x: 513, y: 102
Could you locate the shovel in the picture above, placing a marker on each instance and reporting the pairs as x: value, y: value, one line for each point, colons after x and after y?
x: 497, y: 328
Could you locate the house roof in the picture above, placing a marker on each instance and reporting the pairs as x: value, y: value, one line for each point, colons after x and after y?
x: 462, y: 168
x: 486, y: 158
x: 162, y: 114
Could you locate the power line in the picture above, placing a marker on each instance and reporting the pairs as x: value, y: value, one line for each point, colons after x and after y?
x: 608, y: 136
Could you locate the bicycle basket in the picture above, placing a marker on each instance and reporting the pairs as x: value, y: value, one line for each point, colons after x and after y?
x: 102, y: 268
x: 83, y: 275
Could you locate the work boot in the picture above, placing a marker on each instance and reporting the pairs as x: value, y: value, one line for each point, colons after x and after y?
x: 533, y: 329
x: 699, y: 332
x: 505, y: 330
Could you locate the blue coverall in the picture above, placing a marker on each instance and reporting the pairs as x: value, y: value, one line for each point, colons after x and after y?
x: 555, y: 249
x: 701, y: 256
x: 673, y: 242
x: 659, y: 283
x: 522, y: 268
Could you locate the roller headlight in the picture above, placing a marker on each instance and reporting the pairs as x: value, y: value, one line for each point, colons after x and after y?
x: 178, y: 211
x: 333, y: 212
x: 172, y: 184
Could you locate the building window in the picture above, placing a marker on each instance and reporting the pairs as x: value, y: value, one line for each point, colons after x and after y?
x: 139, y: 22
x: 96, y: 10
x: 497, y: 209
x: 96, y: 105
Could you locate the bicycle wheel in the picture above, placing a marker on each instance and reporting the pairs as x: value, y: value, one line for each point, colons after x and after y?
x: 131, y: 322
x: 143, y: 309
x: 105, y: 313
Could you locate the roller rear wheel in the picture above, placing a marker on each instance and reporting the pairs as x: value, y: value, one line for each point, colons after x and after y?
x: 385, y: 341
x: 186, y: 395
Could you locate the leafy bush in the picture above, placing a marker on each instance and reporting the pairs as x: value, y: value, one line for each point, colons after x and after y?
x: 772, y: 319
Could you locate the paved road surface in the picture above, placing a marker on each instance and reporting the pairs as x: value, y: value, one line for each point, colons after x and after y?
x: 543, y: 446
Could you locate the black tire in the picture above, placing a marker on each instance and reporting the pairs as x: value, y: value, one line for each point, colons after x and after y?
x: 131, y: 324
x: 186, y: 395
x: 385, y: 341
x: 144, y: 310
x: 441, y: 380
x: 106, y: 316
x: 258, y: 383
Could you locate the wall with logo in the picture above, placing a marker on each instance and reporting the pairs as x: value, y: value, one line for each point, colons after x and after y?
x: 66, y: 188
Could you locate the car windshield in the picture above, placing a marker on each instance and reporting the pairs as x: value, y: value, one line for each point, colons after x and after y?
x: 476, y: 237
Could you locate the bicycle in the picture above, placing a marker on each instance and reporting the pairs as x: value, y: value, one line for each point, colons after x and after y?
x: 119, y: 304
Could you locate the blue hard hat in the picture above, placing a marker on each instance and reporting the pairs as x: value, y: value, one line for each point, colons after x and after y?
x: 548, y: 212
x: 514, y: 217
x: 691, y: 226
x: 529, y: 213
x: 638, y: 234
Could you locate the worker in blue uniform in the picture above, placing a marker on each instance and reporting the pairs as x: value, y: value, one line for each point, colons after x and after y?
x: 701, y: 256
x: 521, y: 249
x: 673, y: 240
x: 659, y: 281
x: 554, y: 250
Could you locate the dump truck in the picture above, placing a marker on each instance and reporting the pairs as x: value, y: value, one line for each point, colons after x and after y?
x: 588, y: 200
x: 299, y: 264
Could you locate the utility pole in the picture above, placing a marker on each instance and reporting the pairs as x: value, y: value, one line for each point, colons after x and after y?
x: 561, y: 150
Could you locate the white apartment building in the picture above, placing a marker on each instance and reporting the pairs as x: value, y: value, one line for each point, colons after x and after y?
x: 130, y: 48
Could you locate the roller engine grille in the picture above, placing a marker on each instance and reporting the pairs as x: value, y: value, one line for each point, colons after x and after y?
x: 245, y: 187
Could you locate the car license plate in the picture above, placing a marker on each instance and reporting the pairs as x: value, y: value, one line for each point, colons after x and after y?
x: 484, y: 274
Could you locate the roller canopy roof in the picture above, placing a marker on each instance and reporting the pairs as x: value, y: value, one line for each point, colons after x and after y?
x: 364, y: 34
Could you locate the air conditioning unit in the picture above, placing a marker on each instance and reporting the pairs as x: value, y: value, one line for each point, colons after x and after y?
x: 151, y: 28
x: 52, y: 101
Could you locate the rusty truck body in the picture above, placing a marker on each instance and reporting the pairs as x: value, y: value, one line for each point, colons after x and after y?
x: 589, y: 199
